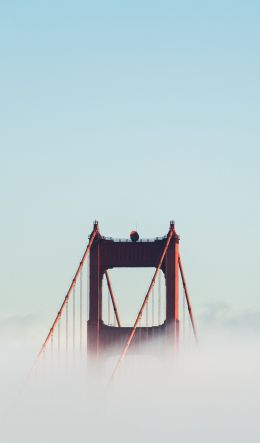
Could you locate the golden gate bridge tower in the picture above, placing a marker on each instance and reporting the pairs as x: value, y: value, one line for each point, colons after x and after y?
x: 93, y: 335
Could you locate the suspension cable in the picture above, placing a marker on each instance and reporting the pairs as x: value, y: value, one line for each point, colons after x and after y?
x: 187, y: 299
x: 112, y: 298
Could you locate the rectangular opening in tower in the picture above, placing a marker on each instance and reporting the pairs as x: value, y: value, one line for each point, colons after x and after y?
x: 130, y: 286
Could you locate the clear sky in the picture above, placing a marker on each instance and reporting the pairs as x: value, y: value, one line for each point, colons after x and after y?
x: 132, y: 113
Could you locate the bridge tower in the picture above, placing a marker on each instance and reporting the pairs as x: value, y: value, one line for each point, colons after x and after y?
x: 109, y: 253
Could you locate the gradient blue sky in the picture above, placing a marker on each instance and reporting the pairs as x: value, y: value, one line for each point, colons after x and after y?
x: 129, y: 112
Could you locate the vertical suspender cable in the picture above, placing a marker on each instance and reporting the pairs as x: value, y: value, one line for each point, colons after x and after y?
x: 87, y: 295
x: 108, y: 307
x: 159, y: 297
x: 87, y: 286
x: 153, y: 306
x: 146, y: 321
x: 152, y: 311
x: 140, y: 330
x: 183, y: 315
x: 73, y: 320
x: 80, y: 312
x: 67, y: 327
x: 59, y: 337
x: 52, y: 349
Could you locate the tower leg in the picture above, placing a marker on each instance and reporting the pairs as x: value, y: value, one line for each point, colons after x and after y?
x: 172, y: 292
x: 95, y: 307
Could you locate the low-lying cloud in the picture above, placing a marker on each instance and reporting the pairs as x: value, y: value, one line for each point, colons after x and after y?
x: 210, y: 394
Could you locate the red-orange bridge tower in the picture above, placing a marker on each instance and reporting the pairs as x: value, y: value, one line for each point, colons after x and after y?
x: 107, y: 253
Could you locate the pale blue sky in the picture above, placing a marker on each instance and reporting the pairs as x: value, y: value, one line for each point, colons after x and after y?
x: 129, y: 112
